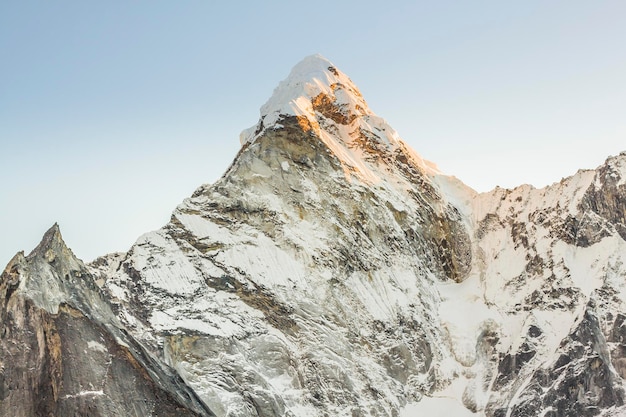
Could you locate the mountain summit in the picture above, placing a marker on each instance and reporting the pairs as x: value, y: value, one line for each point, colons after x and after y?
x: 324, y: 102
x: 333, y: 271
x: 314, y: 85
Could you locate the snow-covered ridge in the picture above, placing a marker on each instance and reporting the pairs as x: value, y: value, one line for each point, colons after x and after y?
x: 332, y: 271
x: 325, y: 101
x: 313, y: 76
x: 617, y: 168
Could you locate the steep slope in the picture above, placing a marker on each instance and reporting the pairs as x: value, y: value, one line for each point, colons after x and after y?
x: 62, y: 352
x: 546, y: 288
x: 333, y: 271
x: 303, y: 279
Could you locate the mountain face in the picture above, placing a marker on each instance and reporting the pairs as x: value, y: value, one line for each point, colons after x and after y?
x: 333, y: 272
x: 63, y: 351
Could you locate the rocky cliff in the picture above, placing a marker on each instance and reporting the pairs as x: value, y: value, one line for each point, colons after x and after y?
x: 333, y: 271
x: 63, y: 351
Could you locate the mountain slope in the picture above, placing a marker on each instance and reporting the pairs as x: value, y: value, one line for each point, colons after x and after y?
x: 325, y: 228
x: 333, y: 271
x: 62, y: 351
x: 550, y: 277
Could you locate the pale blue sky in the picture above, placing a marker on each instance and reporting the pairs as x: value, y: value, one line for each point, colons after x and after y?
x: 112, y: 112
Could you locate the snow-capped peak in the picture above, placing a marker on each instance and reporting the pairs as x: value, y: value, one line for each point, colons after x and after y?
x: 312, y: 83
x: 324, y: 99
x: 314, y: 75
x: 288, y: 289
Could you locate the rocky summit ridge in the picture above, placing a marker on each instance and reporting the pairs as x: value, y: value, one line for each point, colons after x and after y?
x: 333, y: 271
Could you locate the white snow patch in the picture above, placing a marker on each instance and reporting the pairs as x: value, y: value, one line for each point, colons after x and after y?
x: 117, y: 291
x: 436, y: 407
x: 585, y: 265
x: 92, y: 344
x: 173, y: 271
x: 464, y: 315
x: 456, y: 193
x: 86, y: 394
x: 265, y: 263
x: 205, y: 229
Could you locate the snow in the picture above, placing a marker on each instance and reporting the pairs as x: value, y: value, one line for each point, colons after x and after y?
x: 524, y: 200
x: 117, y: 291
x: 86, y: 394
x: 436, y: 407
x: 266, y: 263
x: 586, y: 272
x: 293, y: 95
x: 465, y: 315
x: 173, y: 272
x: 336, y: 282
x: 316, y: 75
x: 209, y: 324
x: 495, y: 289
x: 456, y: 193
x: 203, y: 228
x: 99, y: 347
x: 351, y: 158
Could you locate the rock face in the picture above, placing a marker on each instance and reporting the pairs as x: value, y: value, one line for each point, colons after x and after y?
x: 333, y: 271
x: 63, y: 353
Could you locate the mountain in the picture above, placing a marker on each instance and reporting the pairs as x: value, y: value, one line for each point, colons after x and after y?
x: 333, y: 271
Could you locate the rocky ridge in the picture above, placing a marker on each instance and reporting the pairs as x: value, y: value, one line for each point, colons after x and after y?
x: 63, y: 352
x: 333, y: 271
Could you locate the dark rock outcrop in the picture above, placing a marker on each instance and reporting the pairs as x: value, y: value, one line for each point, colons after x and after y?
x: 581, y: 382
x: 62, y: 352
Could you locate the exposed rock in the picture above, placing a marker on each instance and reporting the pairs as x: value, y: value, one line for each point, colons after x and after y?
x: 606, y: 196
x: 333, y: 271
x: 60, y: 354
x: 582, y: 381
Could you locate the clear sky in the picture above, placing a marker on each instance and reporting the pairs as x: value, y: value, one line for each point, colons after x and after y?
x: 112, y: 112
